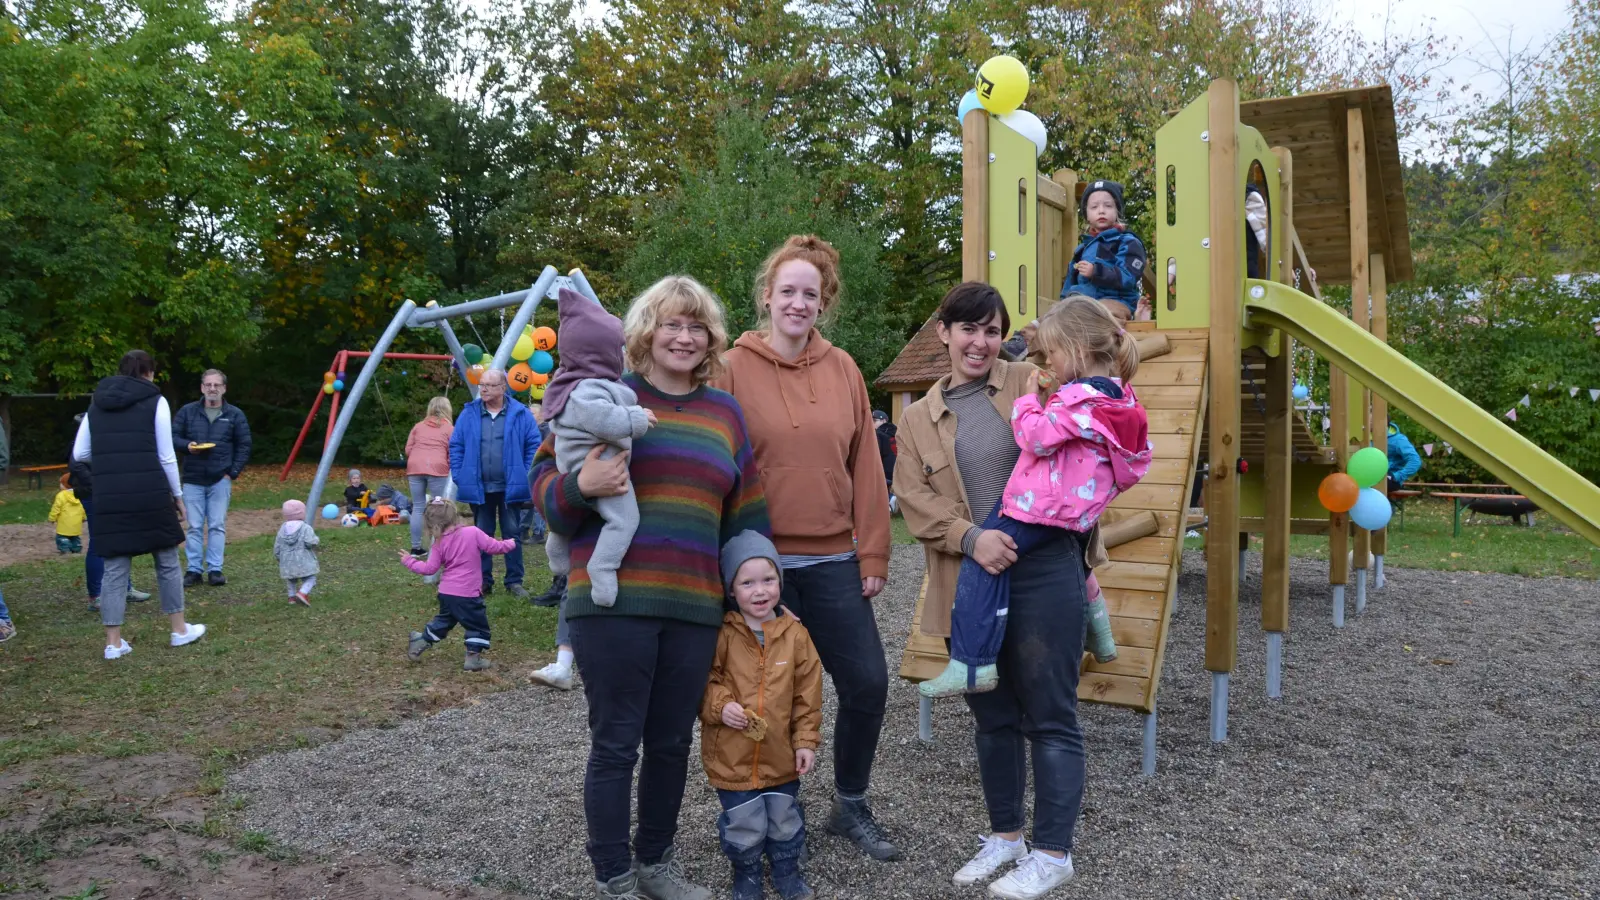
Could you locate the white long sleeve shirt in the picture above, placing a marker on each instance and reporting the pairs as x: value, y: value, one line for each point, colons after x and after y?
x: 82, y: 445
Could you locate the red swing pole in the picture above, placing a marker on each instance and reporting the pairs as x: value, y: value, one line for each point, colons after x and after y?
x: 305, y: 429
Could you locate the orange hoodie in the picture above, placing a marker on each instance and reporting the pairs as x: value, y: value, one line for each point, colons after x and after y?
x: 810, y: 424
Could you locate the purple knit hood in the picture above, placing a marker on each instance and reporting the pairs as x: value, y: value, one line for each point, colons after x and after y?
x: 591, y: 347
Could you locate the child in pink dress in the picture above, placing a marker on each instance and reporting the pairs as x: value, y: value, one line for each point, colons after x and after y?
x: 457, y: 548
x: 1082, y: 445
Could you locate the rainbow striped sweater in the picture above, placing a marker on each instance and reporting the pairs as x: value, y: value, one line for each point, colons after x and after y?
x: 696, y: 481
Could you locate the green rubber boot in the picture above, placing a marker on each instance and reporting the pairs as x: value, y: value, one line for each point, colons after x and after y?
x: 958, y: 678
x: 1101, y: 644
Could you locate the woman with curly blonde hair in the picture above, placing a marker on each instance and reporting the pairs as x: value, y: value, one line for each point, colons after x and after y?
x: 647, y: 657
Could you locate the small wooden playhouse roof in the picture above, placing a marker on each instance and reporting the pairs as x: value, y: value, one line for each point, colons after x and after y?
x: 923, y: 361
x: 1313, y: 127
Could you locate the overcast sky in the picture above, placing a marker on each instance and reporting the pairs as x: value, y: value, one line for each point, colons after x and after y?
x: 1480, y: 27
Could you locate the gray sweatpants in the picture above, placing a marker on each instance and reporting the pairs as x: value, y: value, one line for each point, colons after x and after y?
x: 119, y: 569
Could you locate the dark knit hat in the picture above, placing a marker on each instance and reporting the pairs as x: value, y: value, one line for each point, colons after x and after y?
x: 1110, y: 187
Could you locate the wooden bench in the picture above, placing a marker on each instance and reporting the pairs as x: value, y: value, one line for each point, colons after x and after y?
x: 1398, y: 498
x: 1463, y: 500
x: 36, y: 474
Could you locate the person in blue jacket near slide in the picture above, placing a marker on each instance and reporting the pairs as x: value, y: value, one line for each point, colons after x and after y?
x: 1403, y: 459
x: 491, y: 453
x: 1110, y: 262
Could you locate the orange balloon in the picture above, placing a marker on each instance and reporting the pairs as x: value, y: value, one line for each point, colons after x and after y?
x: 474, y: 372
x: 544, y: 338
x: 520, y: 377
x: 540, y: 379
x: 1338, y: 492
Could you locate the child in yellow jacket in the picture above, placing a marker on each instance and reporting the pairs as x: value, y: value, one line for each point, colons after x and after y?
x: 761, y: 721
x: 67, y: 513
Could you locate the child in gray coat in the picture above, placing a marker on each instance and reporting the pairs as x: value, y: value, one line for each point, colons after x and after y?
x: 587, y: 404
x: 296, y: 550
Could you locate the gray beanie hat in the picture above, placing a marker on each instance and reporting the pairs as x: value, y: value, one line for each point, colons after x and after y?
x: 743, y: 547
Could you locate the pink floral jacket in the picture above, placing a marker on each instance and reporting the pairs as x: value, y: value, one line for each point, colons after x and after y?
x: 1079, y: 451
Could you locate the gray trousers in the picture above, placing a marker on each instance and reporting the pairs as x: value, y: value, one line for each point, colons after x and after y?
x: 114, y: 591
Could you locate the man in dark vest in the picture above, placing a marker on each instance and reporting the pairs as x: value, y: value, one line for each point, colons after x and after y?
x: 127, y: 436
x: 214, y: 439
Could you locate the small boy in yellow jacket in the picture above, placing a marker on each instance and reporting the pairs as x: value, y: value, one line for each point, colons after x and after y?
x: 761, y: 721
x: 68, y: 515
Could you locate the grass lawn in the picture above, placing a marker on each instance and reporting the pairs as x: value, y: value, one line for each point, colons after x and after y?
x: 267, y: 675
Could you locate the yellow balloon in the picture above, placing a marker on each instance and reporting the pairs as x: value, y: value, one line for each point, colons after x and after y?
x: 523, y: 347
x: 1002, y: 84
x: 537, y: 392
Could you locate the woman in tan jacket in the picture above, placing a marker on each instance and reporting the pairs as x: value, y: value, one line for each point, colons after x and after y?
x: 956, y: 452
x: 810, y: 424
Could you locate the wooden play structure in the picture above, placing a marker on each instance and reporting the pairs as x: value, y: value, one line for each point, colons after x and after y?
x: 1216, y: 375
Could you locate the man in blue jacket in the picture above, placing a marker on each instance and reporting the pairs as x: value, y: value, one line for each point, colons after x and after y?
x: 491, y: 453
x: 213, y: 443
x: 1403, y: 459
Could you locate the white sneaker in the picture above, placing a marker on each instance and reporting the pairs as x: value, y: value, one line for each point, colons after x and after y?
x: 1034, y: 877
x: 196, y: 632
x: 555, y: 675
x: 120, y: 651
x: 996, y: 854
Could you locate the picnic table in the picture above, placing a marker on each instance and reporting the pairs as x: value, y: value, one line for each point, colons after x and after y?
x: 36, y: 474
x: 1460, y: 500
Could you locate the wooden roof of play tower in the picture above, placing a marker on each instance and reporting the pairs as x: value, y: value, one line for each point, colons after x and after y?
x: 1312, y: 127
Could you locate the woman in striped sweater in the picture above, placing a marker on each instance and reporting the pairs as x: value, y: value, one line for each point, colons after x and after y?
x: 646, y: 659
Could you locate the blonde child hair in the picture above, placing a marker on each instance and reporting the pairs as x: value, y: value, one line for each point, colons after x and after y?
x: 440, y: 516
x: 1084, y: 331
x: 439, y: 408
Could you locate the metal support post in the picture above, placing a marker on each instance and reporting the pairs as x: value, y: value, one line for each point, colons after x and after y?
x: 1148, y: 764
x: 1377, y: 572
x: 1361, y: 591
x: 581, y: 282
x: 345, y: 415
x: 1219, y: 707
x: 1274, y: 665
x: 925, y: 719
x: 454, y: 344
x: 1338, y: 606
x: 502, y: 356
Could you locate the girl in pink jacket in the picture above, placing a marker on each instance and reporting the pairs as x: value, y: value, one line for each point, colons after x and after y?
x: 1081, y: 446
x: 458, y: 549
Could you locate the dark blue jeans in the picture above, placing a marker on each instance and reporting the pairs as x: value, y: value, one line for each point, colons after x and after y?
x: 730, y: 799
x: 978, y: 618
x: 94, y: 568
x: 1036, y: 704
x: 484, y: 515
x: 643, y: 679
x: 827, y: 598
x: 468, y: 612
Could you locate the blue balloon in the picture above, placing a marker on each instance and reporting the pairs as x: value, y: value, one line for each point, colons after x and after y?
x: 1372, y: 510
x: 331, y: 511
x: 542, y: 362
x: 1301, y: 392
x: 338, y: 385
x: 969, y: 102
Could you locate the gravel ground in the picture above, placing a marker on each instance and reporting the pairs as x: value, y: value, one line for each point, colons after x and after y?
x: 1442, y: 745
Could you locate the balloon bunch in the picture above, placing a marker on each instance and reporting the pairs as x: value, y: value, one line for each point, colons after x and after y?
x: 332, y: 383
x: 534, y: 362
x: 1001, y: 88
x: 1355, y: 489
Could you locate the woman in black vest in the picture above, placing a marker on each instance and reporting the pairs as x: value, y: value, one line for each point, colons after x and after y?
x: 138, y: 499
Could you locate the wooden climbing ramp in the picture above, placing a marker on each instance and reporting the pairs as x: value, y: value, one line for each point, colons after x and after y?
x: 1143, y: 530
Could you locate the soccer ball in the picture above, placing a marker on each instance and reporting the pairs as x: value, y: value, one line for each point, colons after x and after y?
x: 349, y: 521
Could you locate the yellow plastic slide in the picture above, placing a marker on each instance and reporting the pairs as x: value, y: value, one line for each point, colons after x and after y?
x: 1481, y: 436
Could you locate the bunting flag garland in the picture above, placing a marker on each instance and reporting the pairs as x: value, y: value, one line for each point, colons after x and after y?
x: 1512, y: 414
x: 1594, y: 394
x: 1572, y: 392
x: 1428, y: 449
x: 1449, y: 450
x: 1525, y: 401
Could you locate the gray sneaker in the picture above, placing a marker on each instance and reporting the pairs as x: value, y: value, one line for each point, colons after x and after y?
x: 622, y: 887
x: 475, y: 662
x: 517, y: 591
x: 666, y: 880
x: 853, y: 820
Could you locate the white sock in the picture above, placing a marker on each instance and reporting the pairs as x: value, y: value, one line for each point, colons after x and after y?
x: 564, y: 658
x: 1050, y: 859
x: 1009, y: 843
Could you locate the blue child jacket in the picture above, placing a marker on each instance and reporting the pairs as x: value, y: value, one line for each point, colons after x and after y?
x: 1403, y: 459
x: 1119, y: 260
x: 522, y: 441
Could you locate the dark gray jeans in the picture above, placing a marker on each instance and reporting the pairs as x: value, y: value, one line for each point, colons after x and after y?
x: 827, y: 599
x: 1036, y: 704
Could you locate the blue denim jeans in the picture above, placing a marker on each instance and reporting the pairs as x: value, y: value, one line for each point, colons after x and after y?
x: 978, y: 617
x: 94, y: 568
x: 5, y: 611
x: 484, y: 515
x: 423, y: 487
x: 1036, y: 704
x: 206, y: 507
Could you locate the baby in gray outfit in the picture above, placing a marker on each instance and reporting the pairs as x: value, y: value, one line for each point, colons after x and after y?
x: 587, y: 404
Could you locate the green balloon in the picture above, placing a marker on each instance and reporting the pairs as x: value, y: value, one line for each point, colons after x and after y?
x: 473, y: 353
x: 1368, y: 466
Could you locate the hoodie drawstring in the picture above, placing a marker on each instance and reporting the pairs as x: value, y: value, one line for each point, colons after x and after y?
x: 777, y: 374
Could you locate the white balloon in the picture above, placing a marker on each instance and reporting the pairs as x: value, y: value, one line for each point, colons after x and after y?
x: 1028, y: 125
